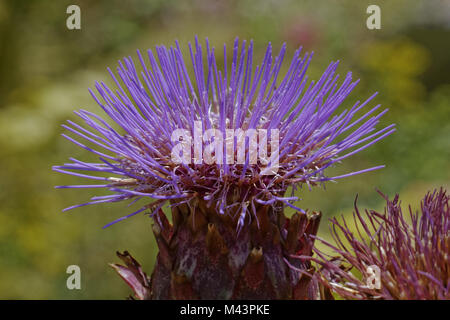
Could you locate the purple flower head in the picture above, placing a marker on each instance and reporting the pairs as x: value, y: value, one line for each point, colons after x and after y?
x: 293, y: 118
x: 410, y: 253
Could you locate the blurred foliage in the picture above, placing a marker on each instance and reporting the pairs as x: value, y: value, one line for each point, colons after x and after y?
x: 46, y: 70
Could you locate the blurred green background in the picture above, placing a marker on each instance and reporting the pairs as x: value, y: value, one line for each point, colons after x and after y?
x: 46, y: 70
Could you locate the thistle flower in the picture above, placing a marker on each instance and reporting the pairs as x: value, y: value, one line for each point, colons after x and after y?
x: 227, y: 208
x: 408, y: 254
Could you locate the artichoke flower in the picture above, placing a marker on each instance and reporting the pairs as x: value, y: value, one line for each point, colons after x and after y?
x: 226, y: 150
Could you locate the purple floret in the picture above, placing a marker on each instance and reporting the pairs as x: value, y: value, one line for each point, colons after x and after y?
x: 147, y: 106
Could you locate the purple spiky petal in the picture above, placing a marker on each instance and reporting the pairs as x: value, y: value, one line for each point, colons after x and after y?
x: 147, y: 105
